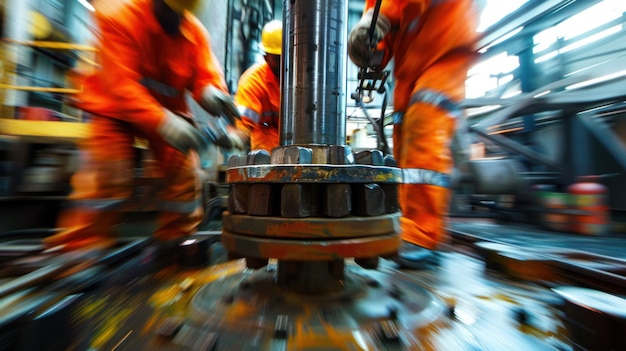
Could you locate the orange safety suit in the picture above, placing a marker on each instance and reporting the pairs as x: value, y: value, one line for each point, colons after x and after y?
x: 258, y: 100
x: 432, y: 43
x: 142, y: 71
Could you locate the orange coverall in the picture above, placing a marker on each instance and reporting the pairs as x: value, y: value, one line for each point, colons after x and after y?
x: 258, y: 100
x: 432, y: 42
x: 142, y: 71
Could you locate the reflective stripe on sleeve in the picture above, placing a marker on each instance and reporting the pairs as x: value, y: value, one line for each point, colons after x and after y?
x: 249, y: 114
x: 438, y: 99
x: 425, y: 176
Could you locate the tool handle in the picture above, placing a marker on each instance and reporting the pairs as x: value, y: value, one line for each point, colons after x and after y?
x: 373, y: 25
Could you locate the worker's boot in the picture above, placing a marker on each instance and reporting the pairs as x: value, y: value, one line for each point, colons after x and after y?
x: 413, y: 256
x: 73, y: 260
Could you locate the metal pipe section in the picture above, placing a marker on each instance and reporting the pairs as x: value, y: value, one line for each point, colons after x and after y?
x: 314, y: 72
x: 310, y: 277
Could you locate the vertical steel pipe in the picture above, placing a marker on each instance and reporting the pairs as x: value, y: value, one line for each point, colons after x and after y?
x: 314, y: 72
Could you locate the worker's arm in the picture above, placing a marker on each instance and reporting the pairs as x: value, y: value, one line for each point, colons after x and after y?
x: 131, y: 100
x: 250, y: 91
x: 366, y: 35
x: 209, y: 88
x: 388, y: 19
x: 121, y: 78
x: 395, y: 11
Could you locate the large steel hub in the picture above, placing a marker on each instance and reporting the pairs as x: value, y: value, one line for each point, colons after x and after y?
x: 245, y: 310
x: 310, y: 217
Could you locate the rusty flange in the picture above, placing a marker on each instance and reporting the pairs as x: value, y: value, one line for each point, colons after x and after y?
x: 313, y: 202
x: 316, y: 228
x: 313, y: 174
x: 311, y: 250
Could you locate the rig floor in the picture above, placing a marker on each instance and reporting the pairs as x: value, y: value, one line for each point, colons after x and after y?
x: 497, y: 287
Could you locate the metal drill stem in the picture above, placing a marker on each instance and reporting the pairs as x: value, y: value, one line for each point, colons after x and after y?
x: 314, y: 74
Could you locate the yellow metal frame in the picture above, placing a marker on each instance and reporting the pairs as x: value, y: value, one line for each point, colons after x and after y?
x: 48, y: 130
x: 40, y: 89
x: 35, y: 130
x: 51, y: 45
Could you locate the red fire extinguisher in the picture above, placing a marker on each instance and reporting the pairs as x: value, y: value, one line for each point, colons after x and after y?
x: 589, y: 199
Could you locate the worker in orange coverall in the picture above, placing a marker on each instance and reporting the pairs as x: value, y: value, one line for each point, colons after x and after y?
x: 151, y: 53
x: 258, y: 92
x: 432, y: 43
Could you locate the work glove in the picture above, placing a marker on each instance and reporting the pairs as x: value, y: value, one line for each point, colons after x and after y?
x: 360, y: 45
x: 181, y: 134
x: 233, y: 139
x: 224, y: 135
x: 219, y: 103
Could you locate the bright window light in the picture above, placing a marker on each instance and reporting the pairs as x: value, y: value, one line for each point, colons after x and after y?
x: 511, y: 94
x: 490, y: 74
x: 542, y: 93
x: 598, y: 80
x: 87, y: 5
x: 495, y: 10
x: 581, y: 23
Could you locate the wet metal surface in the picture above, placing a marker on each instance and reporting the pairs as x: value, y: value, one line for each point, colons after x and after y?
x: 534, y: 238
x: 457, y: 306
x: 528, y: 253
x: 462, y: 304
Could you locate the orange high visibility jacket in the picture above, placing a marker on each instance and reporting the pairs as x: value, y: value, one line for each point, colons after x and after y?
x: 424, y: 32
x: 258, y: 99
x: 143, y: 69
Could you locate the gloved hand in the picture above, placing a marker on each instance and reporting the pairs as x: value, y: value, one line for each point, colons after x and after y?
x: 218, y: 103
x: 223, y: 135
x: 232, y: 139
x: 181, y: 134
x: 360, y: 44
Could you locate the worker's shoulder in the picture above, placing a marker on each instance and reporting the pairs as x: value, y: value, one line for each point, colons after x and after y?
x: 192, y: 25
x: 194, y: 21
x: 256, y: 71
x: 122, y: 11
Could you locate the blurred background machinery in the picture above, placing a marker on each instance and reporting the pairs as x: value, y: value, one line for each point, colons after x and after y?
x: 536, y: 260
x: 544, y: 102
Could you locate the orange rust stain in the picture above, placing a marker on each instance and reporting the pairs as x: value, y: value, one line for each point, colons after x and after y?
x: 384, y: 177
x: 296, y: 229
x: 326, y: 336
x: 240, y: 309
x: 150, y: 324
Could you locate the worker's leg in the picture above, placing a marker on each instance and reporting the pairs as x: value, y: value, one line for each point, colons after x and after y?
x: 422, y: 150
x: 421, y: 153
x: 180, y: 204
x: 102, y: 183
x: 427, y: 131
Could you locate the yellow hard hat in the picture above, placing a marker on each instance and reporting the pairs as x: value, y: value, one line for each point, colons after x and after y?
x: 40, y: 27
x: 272, y: 38
x: 179, y: 6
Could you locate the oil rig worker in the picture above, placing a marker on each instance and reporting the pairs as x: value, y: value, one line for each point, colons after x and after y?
x: 151, y: 53
x: 433, y: 45
x: 258, y: 92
